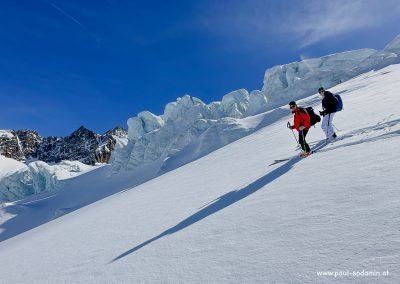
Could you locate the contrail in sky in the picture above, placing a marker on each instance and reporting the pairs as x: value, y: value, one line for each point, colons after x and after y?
x: 71, y: 18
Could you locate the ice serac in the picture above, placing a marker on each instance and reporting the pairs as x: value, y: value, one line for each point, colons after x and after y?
x: 182, y: 107
x: 394, y: 45
x: 380, y: 59
x: 144, y: 123
x: 19, y: 180
x: 152, y: 137
x: 120, y: 156
x: 300, y: 79
x: 239, y: 104
x: 155, y: 139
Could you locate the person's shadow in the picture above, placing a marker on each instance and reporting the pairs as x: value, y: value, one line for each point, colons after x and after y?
x: 219, y: 204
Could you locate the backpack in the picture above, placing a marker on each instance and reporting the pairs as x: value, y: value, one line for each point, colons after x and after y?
x: 314, y: 118
x: 339, y: 103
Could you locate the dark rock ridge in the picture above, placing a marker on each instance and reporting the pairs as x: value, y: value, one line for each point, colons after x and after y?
x: 82, y: 145
x: 29, y: 142
x: 10, y: 146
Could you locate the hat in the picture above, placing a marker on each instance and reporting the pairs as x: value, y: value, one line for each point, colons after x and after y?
x: 292, y: 103
x: 321, y: 89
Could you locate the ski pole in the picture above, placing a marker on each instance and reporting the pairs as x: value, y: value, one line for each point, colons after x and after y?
x: 336, y: 127
x: 294, y: 135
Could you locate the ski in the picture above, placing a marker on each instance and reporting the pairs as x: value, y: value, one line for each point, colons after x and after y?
x: 317, y: 146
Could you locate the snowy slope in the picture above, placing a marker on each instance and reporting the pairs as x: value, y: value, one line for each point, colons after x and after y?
x: 232, y: 217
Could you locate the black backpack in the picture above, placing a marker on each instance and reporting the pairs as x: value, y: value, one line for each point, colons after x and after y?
x: 314, y: 118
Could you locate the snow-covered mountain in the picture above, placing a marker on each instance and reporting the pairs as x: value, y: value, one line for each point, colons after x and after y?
x: 82, y: 145
x: 235, y: 215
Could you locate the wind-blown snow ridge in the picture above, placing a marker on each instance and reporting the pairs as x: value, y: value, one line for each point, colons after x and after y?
x: 190, y: 125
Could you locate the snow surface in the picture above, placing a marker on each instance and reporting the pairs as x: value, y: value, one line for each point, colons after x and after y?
x: 231, y: 216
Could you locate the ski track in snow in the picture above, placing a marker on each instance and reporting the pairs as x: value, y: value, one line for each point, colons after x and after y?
x: 230, y: 216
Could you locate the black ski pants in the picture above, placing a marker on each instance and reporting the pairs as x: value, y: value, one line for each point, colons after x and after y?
x: 302, y: 140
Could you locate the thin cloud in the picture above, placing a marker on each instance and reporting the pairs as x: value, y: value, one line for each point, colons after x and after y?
x: 323, y: 19
x: 303, y: 22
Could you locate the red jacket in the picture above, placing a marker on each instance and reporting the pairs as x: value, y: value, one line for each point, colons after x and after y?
x: 301, y: 118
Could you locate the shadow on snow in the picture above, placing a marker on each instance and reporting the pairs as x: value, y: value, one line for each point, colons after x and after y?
x: 219, y: 204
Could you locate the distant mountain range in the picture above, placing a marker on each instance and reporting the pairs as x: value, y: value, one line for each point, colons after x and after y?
x: 82, y: 145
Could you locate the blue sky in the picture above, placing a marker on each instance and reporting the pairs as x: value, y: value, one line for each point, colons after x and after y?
x: 96, y: 63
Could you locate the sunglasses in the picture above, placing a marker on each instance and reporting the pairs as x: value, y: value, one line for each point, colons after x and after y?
x: 321, y: 92
x: 292, y: 107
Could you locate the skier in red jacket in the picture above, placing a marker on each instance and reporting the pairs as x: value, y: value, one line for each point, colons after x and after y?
x: 302, y: 125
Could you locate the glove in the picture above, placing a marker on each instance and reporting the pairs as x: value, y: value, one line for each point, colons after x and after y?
x: 322, y: 113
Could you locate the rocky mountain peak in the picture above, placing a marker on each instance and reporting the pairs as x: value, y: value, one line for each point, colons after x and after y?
x: 84, y: 133
x: 30, y: 141
x: 117, y: 131
x: 82, y: 145
x: 10, y: 145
